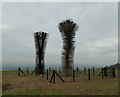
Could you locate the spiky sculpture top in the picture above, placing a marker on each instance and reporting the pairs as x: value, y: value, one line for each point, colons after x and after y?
x: 68, y: 29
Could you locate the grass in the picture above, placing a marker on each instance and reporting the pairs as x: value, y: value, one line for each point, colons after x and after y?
x: 9, y: 72
x: 13, y: 72
x: 38, y: 85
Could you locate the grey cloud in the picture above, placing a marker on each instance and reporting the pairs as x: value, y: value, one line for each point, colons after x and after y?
x: 97, y: 22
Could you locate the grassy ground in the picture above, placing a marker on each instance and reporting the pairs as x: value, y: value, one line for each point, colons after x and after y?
x: 38, y: 85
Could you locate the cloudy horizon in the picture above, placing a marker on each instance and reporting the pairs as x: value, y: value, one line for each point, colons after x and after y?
x: 96, y: 38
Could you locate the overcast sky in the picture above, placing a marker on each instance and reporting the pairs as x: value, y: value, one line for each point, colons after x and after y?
x: 96, y: 38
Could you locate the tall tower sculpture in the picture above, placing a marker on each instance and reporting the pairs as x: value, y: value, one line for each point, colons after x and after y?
x: 40, y: 39
x: 67, y: 29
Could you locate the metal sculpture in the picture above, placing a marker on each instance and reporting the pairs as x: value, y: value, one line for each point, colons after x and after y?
x: 67, y: 29
x: 40, y: 45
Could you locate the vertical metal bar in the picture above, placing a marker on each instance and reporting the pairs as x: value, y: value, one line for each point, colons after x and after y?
x: 113, y: 72
x: 77, y: 69
x: 19, y: 71
x: 84, y: 70
x: 88, y: 74
x: 54, y: 76
x: 47, y: 74
x: 73, y: 75
x: 93, y: 71
x: 105, y: 71
x: 102, y: 72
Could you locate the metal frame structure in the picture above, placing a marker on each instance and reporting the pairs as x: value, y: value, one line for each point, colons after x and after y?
x: 40, y: 39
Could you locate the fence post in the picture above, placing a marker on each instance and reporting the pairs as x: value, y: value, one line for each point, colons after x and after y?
x: 93, y: 71
x: 113, y: 72
x: 54, y: 76
x: 47, y: 74
x: 84, y: 70
x: 77, y: 69
x: 33, y: 71
x: 73, y: 75
x: 88, y: 74
x: 19, y: 71
x: 102, y: 72
x: 105, y: 71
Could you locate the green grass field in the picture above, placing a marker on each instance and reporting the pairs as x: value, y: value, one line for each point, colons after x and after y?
x: 37, y: 85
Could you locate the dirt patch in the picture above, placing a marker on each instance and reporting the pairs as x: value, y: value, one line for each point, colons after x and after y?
x: 5, y: 87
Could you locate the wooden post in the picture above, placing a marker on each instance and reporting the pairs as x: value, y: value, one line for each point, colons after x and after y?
x: 47, y: 74
x: 27, y: 71
x: 113, y: 72
x: 105, y: 71
x: 102, y: 72
x: 54, y: 76
x: 73, y: 75
x: 59, y: 77
x: 77, y: 69
x: 32, y: 72
x: 84, y: 70
x: 88, y: 74
x: 19, y: 71
x: 93, y: 71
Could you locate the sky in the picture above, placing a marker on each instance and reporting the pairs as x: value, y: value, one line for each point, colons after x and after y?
x: 96, y: 39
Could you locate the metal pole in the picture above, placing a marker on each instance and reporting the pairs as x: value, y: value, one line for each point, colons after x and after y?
x: 54, y: 77
x: 113, y: 73
x: 102, y: 72
x: 47, y: 74
x: 19, y: 71
x: 93, y: 71
x: 88, y: 74
x: 73, y: 75
x: 84, y: 70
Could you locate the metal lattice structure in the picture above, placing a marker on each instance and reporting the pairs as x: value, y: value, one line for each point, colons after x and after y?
x: 67, y: 29
x: 40, y: 39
